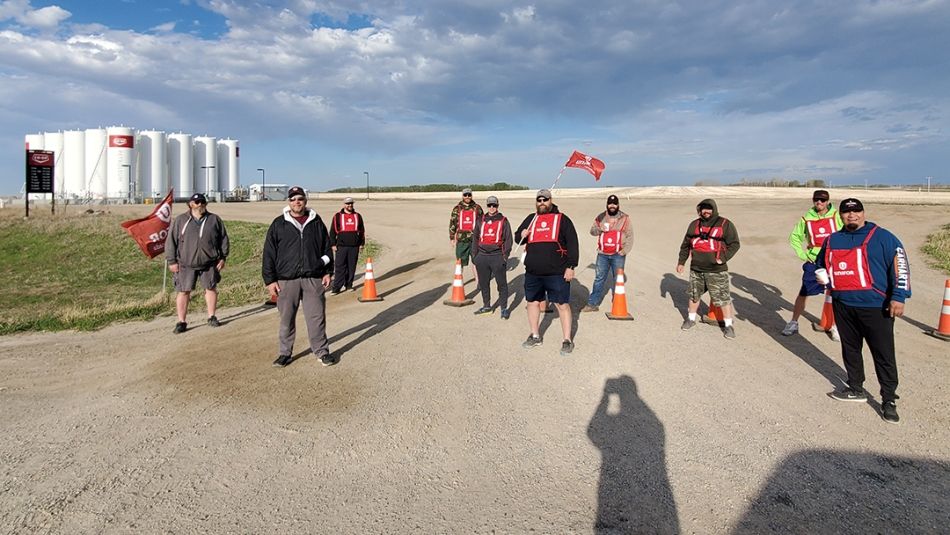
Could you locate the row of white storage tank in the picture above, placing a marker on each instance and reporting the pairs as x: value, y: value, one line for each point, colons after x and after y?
x: 118, y: 163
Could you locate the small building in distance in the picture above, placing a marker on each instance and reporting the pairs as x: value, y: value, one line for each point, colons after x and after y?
x: 268, y: 192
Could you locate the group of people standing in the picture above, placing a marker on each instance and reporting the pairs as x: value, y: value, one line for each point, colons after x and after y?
x: 863, y: 266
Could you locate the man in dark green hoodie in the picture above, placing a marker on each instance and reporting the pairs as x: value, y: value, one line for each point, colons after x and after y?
x: 711, y: 240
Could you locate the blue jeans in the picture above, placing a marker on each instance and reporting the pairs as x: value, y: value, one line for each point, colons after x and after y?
x: 607, y: 265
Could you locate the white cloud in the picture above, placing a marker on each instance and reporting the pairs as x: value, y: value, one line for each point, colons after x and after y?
x: 22, y: 11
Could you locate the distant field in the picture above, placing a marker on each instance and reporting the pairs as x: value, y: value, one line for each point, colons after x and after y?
x: 83, y: 272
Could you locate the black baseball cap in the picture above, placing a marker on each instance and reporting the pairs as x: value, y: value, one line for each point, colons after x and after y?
x: 613, y: 199
x: 820, y: 195
x: 850, y: 205
x: 296, y: 190
x: 199, y: 198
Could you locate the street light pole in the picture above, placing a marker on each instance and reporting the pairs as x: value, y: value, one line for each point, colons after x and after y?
x: 263, y: 188
x: 129, y: 179
x: 367, y: 184
x: 208, y: 169
x: 928, y: 183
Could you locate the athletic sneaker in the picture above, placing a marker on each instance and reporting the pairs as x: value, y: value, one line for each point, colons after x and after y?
x: 336, y: 292
x: 327, y: 360
x: 213, y: 322
x: 566, y: 347
x: 849, y: 394
x: 283, y: 360
x: 834, y: 333
x: 729, y: 332
x: 688, y: 324
x: 180, y: 327
x: 790, y: 328
x: 484, y: 310
x: 889, y: 412
x: 505, y: 313
x: 532, y: 341
x: 590, y: 308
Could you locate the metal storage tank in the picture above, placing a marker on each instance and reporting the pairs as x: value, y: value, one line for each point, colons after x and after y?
x: 95, y: 174
x: 74, y: 167
x: 34, y: 141
x: 53, y: 141
x: 120, y: 155
x: 206, y: 159
x: 229, y: 173
x: 153, y: 163
x: 180, y: 166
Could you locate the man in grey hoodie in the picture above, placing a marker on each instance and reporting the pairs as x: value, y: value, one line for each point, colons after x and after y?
x: 196, y: 248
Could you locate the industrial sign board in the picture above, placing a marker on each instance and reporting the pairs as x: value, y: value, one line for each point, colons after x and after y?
x: 39, y: 171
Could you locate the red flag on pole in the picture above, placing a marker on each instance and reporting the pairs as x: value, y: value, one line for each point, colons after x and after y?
x: 150, y: 232
x: 588, y: 163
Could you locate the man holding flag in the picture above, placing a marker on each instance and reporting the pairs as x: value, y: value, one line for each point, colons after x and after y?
x: 196, y: 248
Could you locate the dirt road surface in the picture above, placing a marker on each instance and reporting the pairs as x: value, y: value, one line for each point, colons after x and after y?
x: 436, y: 421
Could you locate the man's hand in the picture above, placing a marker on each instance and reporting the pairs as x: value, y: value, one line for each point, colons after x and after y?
x: 452, y: 240
x: 679, y: 268
x: 568, y: 274
x: 524, y: 234
x: 896, y: 309
x: 326, y: 282
x: 273, y: 289
x: 173, y: 268
x: 220, y: 266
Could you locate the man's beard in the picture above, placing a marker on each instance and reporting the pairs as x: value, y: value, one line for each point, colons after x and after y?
x: 851, y: 227
x: 544, y: 208
x: 612, y: 211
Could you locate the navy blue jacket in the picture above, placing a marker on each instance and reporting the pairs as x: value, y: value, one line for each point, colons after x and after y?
x: 887, y: 261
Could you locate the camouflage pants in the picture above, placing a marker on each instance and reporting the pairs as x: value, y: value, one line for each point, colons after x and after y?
x: 717, y: 284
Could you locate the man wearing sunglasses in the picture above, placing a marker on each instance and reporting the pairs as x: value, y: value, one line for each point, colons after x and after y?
x: 347, y: 236
x: 196, y: 248
x: 491, y: 247
x: 869, y: 274
x: 614, y: 237
x: 806, y: 239
x: 296, y: 267
x: 551, y: 254
x: 462, y: 224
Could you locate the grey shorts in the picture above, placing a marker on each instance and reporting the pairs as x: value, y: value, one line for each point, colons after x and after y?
x: 717, y: 284
x: 186, y: 278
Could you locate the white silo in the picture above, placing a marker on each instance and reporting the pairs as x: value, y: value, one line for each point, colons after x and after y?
x: 206, y: 160
x: 54, y: 141
x: 95, y: 174
x: 153, y: 163
x: 74, y: 169
x: 120, y: 155
x: 229, y: 173
x: 180, y: 166
x: 34, y: 141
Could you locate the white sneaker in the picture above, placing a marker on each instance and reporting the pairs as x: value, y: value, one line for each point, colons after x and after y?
x: 790, y: 328
x: 834, y: 333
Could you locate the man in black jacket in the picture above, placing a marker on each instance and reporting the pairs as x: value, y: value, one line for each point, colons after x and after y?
x: 347, y: 237
x: 296, y: 267
x: 551, y: 256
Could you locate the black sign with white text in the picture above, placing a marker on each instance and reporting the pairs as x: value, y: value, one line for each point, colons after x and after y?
x: 39, y: 171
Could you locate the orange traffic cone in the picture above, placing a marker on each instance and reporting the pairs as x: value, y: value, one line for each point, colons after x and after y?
x: 827, y: 315
x: 714, y: 316
x: 943, y: 328
x: 619, y: 309
x: 369, y: 285
x: 458, y: 289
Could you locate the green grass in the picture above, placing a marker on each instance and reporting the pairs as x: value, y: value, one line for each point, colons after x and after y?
x: 938, y: 249
x: 84, y: 272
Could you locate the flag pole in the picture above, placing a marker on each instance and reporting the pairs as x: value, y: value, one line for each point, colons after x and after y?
x: 164, y: 277
x: 556, y: 180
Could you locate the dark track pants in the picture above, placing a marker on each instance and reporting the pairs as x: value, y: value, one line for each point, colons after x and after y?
x: 855, y: 325
x: 344, y: 267
x: 488, y: 267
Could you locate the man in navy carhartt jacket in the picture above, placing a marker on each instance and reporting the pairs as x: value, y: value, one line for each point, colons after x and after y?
x: 870, y: 280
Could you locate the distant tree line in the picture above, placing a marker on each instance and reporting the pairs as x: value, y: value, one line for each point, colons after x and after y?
x: 424, y: 188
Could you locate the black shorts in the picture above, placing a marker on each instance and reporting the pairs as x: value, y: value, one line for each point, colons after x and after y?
x: 186, y: 278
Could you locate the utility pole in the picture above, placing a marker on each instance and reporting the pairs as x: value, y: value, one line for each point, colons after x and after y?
x: 263, y: 187
x: 928, y: 183
x: 367, y: 184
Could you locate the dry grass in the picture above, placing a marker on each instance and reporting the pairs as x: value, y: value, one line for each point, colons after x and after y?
x: 938, y: 249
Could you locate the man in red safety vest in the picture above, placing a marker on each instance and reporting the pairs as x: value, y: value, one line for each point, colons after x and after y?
x: 347, y: 236
x: 462, y: 224
x: 614, y: 233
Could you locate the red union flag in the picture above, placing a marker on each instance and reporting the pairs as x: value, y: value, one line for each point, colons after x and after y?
x: 150, y: 232
x: 588, y: 163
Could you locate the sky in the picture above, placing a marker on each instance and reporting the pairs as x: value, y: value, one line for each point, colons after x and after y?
x: 665, y: 92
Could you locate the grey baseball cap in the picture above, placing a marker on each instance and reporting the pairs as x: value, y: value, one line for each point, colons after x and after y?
x: 491, y: 200
x: 467, y: 191
x: 546, y: 193
x: 348, y: 200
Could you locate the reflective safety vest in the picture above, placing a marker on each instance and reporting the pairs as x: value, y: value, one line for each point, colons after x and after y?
x: 848, y: 269
x: 545, y: 228
x: 611, y: 241
x: 491, y: 232
x: 709, y: 239
x: 818, y: 230
x: 466, y: 220
x: 345, y: 222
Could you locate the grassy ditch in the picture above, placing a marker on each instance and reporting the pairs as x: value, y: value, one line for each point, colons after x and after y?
x: 937, y: 248
x: 84, y: 271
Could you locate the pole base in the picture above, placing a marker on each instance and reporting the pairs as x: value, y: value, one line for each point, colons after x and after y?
x: 452, y: 303
x: 939, y: 335
x: 628, y: 317
x: 368, y: 300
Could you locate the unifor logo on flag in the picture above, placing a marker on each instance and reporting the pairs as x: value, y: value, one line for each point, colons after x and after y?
x: 150, y: 232
x: 588, y: 163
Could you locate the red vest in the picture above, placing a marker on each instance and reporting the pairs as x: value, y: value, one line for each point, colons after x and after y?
x: 611, y: 241
x: 818, y: 230
x: 848, y: 269
x: 466, y: 220
x: 545, y: 228
x: 345, y: 222
x: 708, y: 239
x: 491, y: 232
